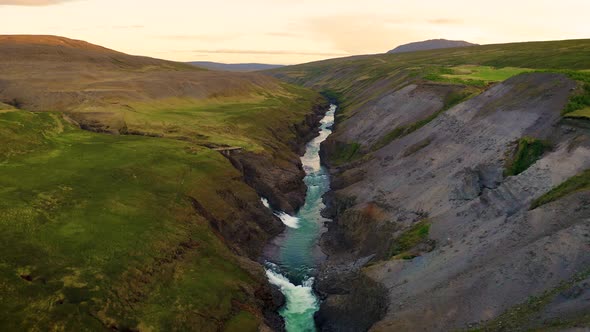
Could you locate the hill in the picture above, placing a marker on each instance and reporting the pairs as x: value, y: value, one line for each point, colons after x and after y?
x: 460, y: 185
x: 432, y: 44
x: 118, y: 210
x: 109, y: 91
x: 46, y: 49
x: 237, y: 67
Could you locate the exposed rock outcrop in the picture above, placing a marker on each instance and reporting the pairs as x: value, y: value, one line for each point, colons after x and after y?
x: 280, y: 179
x: 491, y: 252
x: 355, y: 301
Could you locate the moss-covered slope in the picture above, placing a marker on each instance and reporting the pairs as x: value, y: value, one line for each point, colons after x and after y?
x: 117, y: 211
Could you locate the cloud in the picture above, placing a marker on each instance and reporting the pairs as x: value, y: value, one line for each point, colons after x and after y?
x: 396, y: 20
x: 270, y: 52
x: 443, y: 21
x: 206, y: 38
x: 128, y: 27
x: 282, y: 34
x: 31, y: 2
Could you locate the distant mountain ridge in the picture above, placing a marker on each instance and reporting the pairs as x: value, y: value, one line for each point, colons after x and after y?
x: 432, y: 44
x: 237, y: 67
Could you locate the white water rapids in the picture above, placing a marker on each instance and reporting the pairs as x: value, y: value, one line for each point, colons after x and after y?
x: 293, y: 273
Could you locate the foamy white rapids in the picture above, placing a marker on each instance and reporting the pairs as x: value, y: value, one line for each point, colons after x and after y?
x: 311, y: 160
x: 301, y: 302
x: 265, y: 202
x: 288, y: 220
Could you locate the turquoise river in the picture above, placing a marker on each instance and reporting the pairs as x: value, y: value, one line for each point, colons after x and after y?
x: 294, y: 266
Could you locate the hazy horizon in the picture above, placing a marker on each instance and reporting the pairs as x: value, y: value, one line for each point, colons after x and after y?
x: 288, y: 32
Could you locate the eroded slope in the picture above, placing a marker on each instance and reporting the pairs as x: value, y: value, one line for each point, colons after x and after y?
x: 463, y: 201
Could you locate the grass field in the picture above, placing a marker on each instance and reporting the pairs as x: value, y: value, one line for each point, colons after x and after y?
x: 100, y: 228
x: 479, y: 76
x: 246, y: 121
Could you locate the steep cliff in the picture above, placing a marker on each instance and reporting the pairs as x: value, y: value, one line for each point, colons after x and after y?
x: 460, y: 189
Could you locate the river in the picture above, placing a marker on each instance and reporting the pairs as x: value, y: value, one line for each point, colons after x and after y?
x: 298, y: 253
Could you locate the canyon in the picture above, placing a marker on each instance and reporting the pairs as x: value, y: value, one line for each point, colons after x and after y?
x: 139, y: 194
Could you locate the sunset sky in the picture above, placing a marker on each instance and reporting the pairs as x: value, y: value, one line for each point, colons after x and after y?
x: 289, y: 31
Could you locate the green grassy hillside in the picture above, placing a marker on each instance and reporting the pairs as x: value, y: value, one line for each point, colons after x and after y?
x: 124, y: 226
x: 99, y: 227
x: 357, y: 80
x: 245, y: 121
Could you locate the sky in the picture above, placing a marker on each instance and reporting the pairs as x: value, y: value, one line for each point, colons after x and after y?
x: 290, y: 31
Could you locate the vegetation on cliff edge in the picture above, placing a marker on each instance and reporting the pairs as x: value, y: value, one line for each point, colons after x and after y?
x: 409, y: 239
x: 578, y: 105
x: 528, y: 150
x: 523, y: 317
x: 574, y: 184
